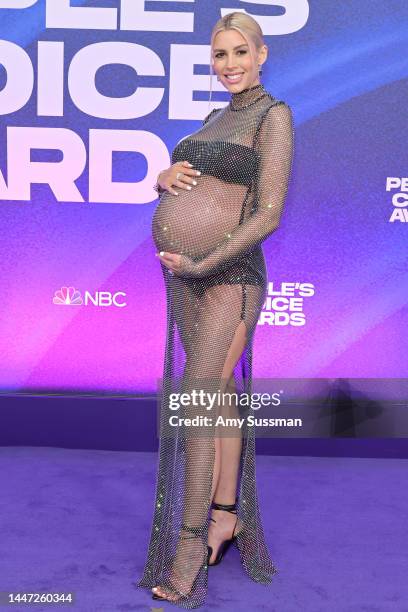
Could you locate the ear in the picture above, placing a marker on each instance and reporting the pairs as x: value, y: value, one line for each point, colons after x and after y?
x: 262, y: 54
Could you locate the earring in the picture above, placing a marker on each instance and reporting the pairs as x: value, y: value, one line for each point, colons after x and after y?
x: 260, y: 69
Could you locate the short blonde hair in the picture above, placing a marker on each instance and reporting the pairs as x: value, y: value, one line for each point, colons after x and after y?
x: 245, y: 25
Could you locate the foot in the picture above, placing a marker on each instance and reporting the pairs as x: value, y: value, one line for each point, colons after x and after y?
x: 189, y: 558
x: 222, y: 529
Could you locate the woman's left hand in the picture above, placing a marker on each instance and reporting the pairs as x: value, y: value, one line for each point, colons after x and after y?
x: 181, y: 265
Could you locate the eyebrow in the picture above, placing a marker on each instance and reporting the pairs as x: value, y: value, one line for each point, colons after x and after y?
x: 237, y: 47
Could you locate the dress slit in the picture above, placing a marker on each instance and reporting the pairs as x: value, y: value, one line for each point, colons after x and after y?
x: 243, y: 302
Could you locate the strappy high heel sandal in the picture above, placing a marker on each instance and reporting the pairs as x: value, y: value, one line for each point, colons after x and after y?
x: 224, y: 546
x: 180, y: 595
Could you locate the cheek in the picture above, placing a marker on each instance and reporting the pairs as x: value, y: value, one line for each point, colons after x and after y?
x: 246, y: 62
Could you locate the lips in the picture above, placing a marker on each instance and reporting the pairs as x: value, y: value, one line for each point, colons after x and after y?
x: 234, y: 76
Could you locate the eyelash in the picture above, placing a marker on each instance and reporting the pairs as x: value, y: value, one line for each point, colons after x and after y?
x: 218, y: 55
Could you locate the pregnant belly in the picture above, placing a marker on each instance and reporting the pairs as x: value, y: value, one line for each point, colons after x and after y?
x: 195, y: 222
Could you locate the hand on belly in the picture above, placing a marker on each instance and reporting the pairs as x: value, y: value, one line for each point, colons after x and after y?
x: 193, y: 223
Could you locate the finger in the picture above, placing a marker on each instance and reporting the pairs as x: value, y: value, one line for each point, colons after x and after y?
x: 165, y: 255
x: 186, y: 182
x: 167, y: 258
x: 187, y: 179
x: 190, y: 174
x: 170, y: 189
x: 189, y: 169
x: 168, y: 254
x: 181, y: 184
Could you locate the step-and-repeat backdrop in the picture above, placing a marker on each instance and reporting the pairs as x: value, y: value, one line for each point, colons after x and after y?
x: 94, y: 95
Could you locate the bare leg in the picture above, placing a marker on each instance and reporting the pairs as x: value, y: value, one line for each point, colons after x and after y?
x: 217, y: 465
x: 229, y: 451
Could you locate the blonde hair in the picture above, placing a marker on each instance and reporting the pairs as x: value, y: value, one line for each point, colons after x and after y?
x: 245, y: 25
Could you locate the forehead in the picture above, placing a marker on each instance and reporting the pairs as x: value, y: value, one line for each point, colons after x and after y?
x: 228, y: 39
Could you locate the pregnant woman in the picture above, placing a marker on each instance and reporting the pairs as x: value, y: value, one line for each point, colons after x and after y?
x: 220, y: 199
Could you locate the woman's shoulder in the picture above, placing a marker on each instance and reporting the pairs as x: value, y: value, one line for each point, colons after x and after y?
x: 276, y: 108
x: 273, y: 101
x: 276, y: 117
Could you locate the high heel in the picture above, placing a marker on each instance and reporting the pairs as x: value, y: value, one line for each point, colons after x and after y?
x: 183, y: 597
x: 224, y: 546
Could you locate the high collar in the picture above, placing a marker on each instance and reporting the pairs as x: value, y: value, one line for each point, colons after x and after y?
x: 245, y: 97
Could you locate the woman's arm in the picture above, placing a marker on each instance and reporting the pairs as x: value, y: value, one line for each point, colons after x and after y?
x: 275, y: 147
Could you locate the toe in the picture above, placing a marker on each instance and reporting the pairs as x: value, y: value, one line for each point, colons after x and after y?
x: 160, y: 592
x: 157, y: 591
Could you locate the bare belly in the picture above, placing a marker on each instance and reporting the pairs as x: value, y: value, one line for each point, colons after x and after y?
x: 196, y: 221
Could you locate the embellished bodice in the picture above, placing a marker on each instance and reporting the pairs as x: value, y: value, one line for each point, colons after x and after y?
x: 228, y: 161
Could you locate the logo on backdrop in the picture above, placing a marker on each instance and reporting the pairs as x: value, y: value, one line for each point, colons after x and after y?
x: 399, y: 188
x: 69, y: 296
x: 71, y: 69
x: 284, y: 304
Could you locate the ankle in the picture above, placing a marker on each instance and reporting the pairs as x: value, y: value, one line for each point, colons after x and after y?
x: 225, y: 499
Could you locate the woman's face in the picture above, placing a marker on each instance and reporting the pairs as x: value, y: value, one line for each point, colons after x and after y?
x: 232, y: 61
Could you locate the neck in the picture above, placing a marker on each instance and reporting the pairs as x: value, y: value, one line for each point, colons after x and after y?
x: 243, y: 98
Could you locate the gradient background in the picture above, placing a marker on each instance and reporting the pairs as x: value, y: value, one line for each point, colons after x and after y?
x: 344, y: 74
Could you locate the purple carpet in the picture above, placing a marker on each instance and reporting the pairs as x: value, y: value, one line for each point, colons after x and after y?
x: 79, y: 520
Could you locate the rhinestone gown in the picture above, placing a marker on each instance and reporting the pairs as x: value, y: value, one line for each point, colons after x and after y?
x: 244, y: 151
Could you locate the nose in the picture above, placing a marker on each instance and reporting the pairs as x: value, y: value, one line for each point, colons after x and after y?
x: 230, y: 62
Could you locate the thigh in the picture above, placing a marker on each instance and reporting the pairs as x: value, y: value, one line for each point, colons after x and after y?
x: 222, y: 330
x: 186, y: 308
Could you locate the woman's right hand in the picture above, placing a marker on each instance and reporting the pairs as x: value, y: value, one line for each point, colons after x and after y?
x: 180, y: 174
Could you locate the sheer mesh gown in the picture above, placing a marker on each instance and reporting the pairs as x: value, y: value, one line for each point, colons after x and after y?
x: 244, y: 152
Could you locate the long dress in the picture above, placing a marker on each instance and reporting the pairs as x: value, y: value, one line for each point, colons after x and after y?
x: 244, y: 151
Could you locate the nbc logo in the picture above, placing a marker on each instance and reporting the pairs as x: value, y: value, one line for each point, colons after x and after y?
x: 69, y: 296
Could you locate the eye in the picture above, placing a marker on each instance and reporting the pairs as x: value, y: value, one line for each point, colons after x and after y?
x: 221, y: 53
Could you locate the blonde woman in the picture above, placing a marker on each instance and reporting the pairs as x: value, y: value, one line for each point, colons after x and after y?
x: 220, y: 199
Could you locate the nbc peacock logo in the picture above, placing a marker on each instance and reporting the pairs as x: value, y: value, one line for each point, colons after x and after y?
x: 67, y: 296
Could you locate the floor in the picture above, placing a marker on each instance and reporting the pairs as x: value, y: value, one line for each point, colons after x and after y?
x: 79, y: 520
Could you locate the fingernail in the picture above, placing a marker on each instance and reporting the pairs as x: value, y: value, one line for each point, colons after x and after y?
x: 188, y: 186
x: 161, y: 253
x: 191, y: 165
x: 176, y: 193
x: 198, y: 172
x: 194, y: 182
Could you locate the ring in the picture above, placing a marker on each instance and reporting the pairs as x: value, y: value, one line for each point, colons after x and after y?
x: 178, y: 175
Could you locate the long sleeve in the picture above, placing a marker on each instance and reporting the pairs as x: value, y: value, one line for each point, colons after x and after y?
x: 275, y: 147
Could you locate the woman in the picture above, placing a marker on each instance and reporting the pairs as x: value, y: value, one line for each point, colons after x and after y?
x: 220, y: 198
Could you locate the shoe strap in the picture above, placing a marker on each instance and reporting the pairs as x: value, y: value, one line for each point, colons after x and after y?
x: 226, y: 507
x: 232, y: 508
